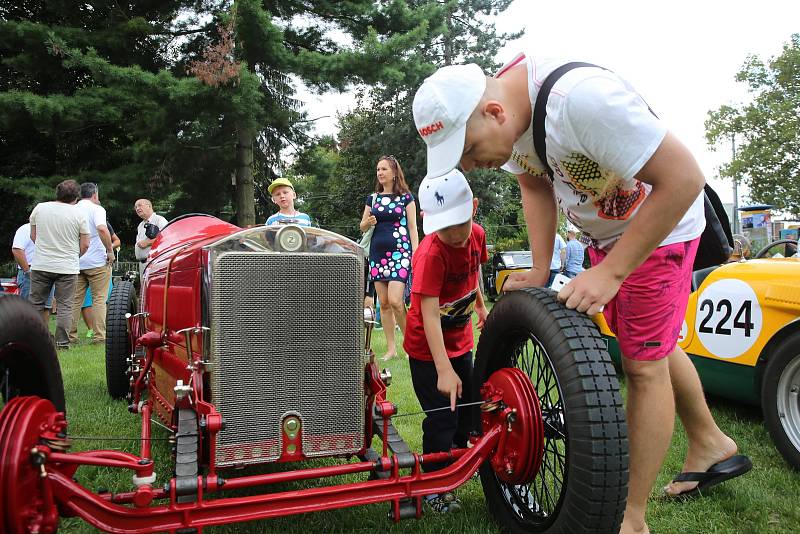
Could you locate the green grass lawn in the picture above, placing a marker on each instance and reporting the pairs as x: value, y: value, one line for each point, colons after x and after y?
x: 765, y: 500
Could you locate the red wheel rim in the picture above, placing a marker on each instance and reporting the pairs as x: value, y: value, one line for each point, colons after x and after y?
x: 521, y: 456
x: 22, y: 422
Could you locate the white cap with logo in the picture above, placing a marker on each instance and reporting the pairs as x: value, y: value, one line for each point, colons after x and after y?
x: 444, y: 201
x: 442, y: 105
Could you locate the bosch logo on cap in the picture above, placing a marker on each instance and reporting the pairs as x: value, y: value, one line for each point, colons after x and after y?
x: 431, y: 128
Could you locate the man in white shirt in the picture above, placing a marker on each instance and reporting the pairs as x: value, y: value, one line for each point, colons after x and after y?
x: 144, y: 209
x: 95, y: 265
x: 24, y: 250
x: 635, y: 191
x: 559, y: 257
x: 61, y: 235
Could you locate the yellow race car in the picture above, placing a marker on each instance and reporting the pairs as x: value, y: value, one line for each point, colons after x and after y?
x: 501, y: 264
x: 742, y: 331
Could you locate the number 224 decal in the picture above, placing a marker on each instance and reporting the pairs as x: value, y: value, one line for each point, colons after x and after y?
x: 728, y: 319
x: 742, y: 319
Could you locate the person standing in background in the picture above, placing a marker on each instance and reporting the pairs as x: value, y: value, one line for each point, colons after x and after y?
x: 24, y: 250
x: 574, y: 262
x: 144, y: 209
x: 95, y: 265
x: 61, y: 234
x: 392, y: 211
x: 559, y: 258
x: 86, y: 308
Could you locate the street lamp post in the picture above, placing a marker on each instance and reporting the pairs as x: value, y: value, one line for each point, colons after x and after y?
x: 735, y: 189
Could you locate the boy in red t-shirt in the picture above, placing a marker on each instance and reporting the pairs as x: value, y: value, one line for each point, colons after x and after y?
x: 444, y: 293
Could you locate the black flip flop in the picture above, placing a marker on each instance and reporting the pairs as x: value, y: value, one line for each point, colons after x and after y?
x: 719, y: 472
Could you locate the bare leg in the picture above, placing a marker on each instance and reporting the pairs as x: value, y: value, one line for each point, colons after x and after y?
x: 398, y: 306
x: 707, y: 443
x: 387, y: 318
x: 86, y: 313
x: 650, y: 411
x: 396, y: 290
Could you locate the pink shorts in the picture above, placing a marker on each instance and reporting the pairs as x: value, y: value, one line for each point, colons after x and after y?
x: 647, y: 313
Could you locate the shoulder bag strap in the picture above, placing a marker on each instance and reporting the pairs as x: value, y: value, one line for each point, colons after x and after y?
x: 540, y: 109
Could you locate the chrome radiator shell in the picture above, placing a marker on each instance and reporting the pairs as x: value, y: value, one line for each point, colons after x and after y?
x: 286, y: 334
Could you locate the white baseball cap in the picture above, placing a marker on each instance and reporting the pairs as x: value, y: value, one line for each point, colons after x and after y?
x: 442, y: 105
x: 445, y: 201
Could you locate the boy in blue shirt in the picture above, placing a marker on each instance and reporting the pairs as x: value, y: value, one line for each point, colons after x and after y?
x: 283, y: 196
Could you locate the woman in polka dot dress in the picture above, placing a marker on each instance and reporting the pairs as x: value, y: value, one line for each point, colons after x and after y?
x: 392, y: 211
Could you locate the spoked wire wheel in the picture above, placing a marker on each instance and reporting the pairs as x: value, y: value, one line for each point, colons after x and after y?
x: 581, y: 485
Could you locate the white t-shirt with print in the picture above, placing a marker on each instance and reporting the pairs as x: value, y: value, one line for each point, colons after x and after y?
x: 22, y: 241
x: 58, y: 237
x: 95, y: 255
x: 600, y: 133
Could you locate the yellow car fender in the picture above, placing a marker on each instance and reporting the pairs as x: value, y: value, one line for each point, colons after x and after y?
x: 731, y: 318
x: 501, y: 278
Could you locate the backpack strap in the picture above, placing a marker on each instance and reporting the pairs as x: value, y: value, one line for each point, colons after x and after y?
x: 540, y: 109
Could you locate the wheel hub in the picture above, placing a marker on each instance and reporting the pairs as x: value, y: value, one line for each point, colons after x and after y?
x: 518, y: 456
x: 23, y: 506
x: 788, y: 401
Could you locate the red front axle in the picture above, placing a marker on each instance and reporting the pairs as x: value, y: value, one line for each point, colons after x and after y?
x: 31, y: 436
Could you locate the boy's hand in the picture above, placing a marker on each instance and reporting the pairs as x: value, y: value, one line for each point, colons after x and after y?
x: 482, y: 313
x: 449, y: 385
x: 590, y: 290
x: 533, y: 278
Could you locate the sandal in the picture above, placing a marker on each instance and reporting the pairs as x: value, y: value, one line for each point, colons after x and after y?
x: 719, y: 472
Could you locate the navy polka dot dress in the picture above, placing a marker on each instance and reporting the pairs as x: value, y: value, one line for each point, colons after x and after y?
x: 390, y: 248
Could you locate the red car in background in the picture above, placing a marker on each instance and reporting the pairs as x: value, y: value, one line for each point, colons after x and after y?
x: 9, y: 286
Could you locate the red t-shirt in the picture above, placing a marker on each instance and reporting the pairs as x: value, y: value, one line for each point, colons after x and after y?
x: 451, y: 274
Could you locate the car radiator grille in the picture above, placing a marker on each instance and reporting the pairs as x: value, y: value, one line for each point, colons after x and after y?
x: 286, y: 339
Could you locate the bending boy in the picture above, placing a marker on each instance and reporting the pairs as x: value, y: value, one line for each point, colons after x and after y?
x: 444, y: 293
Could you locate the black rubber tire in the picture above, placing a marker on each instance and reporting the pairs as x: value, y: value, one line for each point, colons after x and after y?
x: 28, y: 360
x: 582, y: 485
x: 779, y: 402
x: 118, y: 339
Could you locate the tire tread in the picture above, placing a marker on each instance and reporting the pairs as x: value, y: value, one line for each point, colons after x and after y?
x: 595, y: 490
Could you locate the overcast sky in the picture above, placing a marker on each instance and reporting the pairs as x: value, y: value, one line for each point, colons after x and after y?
x: 681, y: 55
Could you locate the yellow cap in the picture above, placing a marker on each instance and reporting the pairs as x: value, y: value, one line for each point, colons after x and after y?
x: 277, y: 182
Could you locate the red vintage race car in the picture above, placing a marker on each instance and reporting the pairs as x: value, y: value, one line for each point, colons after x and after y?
x: 252, y: 347
x: 8, y: 286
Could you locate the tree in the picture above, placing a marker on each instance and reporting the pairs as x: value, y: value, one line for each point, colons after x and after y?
x: 766, y: 130
x: 327, y: 45
x: 103, y: 92
x: 382, y: 122
x: 55, y: 123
